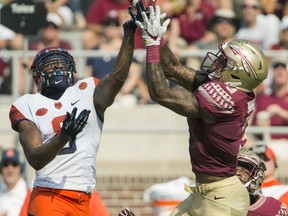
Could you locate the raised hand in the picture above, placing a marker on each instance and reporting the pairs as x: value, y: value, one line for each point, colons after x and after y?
x: 130, y: 24
x: 153, y: 28
x: 72, y: 125
x: 135, y: 16
x: 140, y: 8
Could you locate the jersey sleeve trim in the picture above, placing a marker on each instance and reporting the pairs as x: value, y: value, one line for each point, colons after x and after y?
x: 16, y: 117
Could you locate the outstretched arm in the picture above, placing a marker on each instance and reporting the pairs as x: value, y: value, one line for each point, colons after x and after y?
x: 179, y: 100
x: 174, y: 70
x: 108, y: 87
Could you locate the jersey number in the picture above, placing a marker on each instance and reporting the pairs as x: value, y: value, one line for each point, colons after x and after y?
x: 57, y: 128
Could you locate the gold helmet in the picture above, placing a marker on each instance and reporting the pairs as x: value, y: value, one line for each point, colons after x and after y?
x: 249, y: 160
x: 239, y: 63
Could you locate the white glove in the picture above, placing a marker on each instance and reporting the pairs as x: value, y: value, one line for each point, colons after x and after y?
x: 153, y: 28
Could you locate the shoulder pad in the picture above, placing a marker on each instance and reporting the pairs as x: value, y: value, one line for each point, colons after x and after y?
x: 219, y: 95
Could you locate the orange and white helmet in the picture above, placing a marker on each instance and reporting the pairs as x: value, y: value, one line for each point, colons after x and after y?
x: 239, y: 63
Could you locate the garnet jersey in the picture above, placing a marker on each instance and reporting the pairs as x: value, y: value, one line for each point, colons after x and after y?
x: 267, y: 206
x: 214, y: 146
x: 74, y: 168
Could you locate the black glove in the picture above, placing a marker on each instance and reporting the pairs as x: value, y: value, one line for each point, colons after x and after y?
x: 72, y: 125
x: 139, y: 8
x: 135, y: 16
x: 199, y: 79
x: 130, y: 24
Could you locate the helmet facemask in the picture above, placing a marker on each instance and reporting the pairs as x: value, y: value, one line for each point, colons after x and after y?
x: 214, y: 63
x: 53, y: 70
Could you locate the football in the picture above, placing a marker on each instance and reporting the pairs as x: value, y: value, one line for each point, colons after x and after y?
x: 146, y: 3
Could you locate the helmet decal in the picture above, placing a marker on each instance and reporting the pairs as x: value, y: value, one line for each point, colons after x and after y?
x: 247, y: 66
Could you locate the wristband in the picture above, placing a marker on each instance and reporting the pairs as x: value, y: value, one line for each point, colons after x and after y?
x: 153, y: 54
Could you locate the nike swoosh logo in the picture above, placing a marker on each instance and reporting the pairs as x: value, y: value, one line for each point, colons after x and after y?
x: 72, y: 104
x: 56, y: 82
x: 216, y: 198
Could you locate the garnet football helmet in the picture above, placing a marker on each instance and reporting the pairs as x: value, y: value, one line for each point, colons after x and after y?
x: 249, y: 160
x: 53, y: 67
x: 239, y: 63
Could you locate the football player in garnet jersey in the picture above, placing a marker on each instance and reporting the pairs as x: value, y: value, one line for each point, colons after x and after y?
x: 250, y: 170
x: 60, y: 127
x: 217, y: 101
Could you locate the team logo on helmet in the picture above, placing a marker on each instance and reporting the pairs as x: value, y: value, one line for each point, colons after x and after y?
x: 245, y: 61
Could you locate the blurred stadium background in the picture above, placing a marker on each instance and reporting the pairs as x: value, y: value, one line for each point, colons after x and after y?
x: 140, y: 146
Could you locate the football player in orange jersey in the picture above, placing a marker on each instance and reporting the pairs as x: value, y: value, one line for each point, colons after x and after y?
x: 60, y: 127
